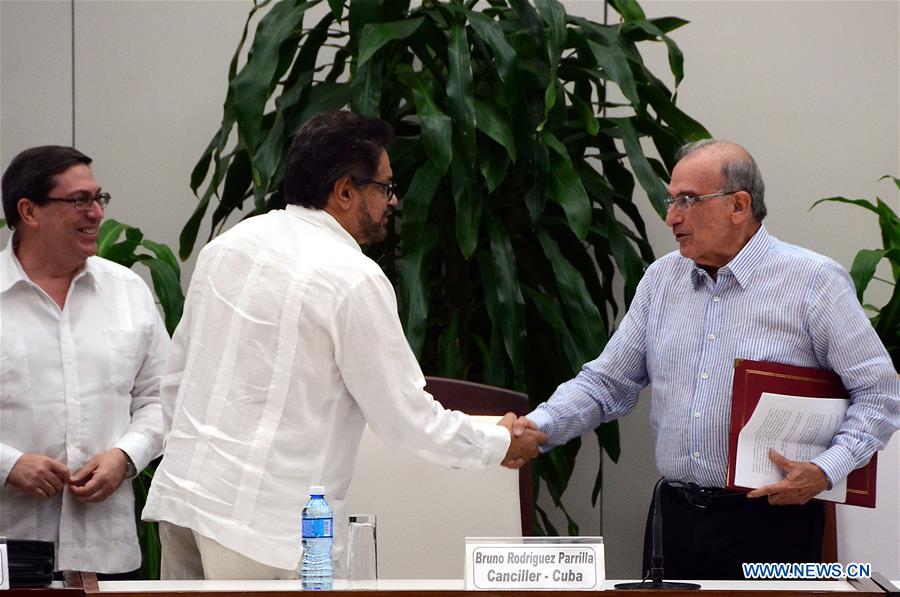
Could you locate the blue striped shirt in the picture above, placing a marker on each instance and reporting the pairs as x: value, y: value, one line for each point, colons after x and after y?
x: 772, y: 302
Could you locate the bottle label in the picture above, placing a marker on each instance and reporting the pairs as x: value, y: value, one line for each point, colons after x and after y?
x: 317, y: 527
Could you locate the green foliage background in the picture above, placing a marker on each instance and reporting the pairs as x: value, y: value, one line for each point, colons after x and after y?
x: 885, y: 319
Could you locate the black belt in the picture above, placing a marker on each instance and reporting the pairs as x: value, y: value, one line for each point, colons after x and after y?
x: 708, y: 497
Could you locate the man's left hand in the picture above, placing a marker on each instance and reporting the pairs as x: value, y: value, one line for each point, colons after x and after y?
x: 99, y: 477
x: 802, y: 482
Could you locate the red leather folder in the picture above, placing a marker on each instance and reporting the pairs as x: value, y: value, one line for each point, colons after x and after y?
x: 752, y: 378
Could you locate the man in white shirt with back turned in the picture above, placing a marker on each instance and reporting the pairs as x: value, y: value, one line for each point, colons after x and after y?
x: 82, y: 348
x: 290, y: 343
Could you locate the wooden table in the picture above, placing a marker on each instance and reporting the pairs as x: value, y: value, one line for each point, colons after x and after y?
x: 85, y: 584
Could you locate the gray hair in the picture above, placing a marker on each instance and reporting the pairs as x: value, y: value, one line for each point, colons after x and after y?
x: 741, y: 174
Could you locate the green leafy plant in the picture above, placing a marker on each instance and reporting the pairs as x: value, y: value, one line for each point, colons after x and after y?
x: 520, y: 131
x: 165, y: 273
x: 886, y: 319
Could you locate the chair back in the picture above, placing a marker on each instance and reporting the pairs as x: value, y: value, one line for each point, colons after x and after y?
x: 425, y: 512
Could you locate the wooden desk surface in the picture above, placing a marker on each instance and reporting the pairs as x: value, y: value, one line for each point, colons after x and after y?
x: 86, y: 585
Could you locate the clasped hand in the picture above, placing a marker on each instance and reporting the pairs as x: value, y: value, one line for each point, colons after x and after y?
x: 43, y: 477
x: 525, y: 438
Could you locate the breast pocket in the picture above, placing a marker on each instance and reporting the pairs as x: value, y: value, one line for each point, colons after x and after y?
x: 15, y: 379
x: 125, y: 348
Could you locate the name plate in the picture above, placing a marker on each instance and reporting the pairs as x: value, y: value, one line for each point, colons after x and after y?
x: 4, y: 565
x: 516, y: 563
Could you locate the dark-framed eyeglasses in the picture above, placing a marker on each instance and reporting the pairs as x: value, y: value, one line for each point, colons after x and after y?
x: 687, y: 201
x: 83, y: 203
x: 390, y: 187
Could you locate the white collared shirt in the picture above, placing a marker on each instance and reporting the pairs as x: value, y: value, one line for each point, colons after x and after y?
x: 290, y: 343
x: 75, y: 382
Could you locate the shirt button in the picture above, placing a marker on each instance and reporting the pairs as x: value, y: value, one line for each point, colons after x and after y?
x: 711, y: 337
x: 697, y: 415
x: 704, y: 375
x: 696, y: 454
x: 716, y: 299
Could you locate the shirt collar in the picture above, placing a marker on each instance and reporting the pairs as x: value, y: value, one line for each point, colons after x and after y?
x: 322, y: 219
x: 745, y: 262
x: 12, y: 272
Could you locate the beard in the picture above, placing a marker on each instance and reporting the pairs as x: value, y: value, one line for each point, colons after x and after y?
x: 372, y: 231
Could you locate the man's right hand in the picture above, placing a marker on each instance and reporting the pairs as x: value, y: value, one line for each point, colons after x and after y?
x: 524, y: 442
x: 38, y: 475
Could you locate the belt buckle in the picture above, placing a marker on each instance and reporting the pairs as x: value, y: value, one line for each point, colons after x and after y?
x: 695, y: 496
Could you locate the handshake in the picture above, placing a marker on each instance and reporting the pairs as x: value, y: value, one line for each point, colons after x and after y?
x: 524, y: 440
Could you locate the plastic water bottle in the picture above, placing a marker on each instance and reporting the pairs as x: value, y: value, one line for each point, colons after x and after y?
x: 316, y: 569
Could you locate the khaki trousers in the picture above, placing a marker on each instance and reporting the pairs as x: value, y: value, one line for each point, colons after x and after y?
x: 187, y: 555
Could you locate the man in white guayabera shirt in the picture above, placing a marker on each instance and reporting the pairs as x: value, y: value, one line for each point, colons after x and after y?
x: 82, y: 348
x: 290, y: 344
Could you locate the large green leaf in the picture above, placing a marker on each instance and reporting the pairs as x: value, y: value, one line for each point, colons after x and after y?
x: 437, y: 127
x: 459, y: 91
x: 167, y: 285
x: 863, y: 269
x: 551, y: 312
x: 123, y: 251
x: 376, y: 35
x: 417, y: 202
x: 566, y: 188
x: 493, y: 123
x: 676, y: 58
x: 468, y: 200
x: 366, y: 87
x: 644, y: 172
x: 492, y: 34
x: 165, y: 272
x: 494, y: 163
x: 554, y: 15
x: 165, y: 254
x: 109, y: 233
x: 864, y: 203
x: 450, y: 363
x: 503, y: 296
x: 412, y: 269
x: 629, y: 9
x: 614, y: 62
x: 587, y: 325
x: 277, y: 34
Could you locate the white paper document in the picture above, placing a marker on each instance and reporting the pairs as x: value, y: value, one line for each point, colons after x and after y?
x: 799, y: 428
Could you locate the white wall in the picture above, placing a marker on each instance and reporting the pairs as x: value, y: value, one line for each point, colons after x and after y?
x: 811, y: 88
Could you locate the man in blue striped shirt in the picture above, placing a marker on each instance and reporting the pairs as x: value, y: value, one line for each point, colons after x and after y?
x: 731, y: 291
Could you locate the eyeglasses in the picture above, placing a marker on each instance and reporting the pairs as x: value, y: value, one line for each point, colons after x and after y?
x: 686, y: 201
x: 390, y: 187
x: 83, y: 203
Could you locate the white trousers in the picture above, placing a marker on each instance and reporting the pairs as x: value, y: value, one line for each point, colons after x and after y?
x: 187, y: 555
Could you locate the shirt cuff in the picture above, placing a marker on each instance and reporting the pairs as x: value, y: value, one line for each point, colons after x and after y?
x: 137, y: 447
x: 544, y: 421
x: 496, y: 442
x: 836, y: 462
x: 8, y: 458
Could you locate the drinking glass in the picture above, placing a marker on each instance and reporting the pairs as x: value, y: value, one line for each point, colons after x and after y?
x: 362, y: 552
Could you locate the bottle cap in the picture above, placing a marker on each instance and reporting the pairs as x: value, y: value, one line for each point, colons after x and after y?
x: 316, y: 490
